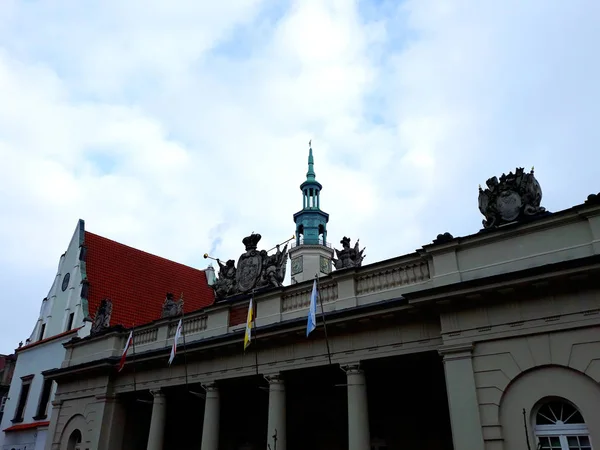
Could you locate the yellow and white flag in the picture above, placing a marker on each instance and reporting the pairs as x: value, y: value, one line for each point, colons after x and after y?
x: 248, y: 335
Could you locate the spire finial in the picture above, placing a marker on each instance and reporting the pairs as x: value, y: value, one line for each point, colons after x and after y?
x: 310, y: 175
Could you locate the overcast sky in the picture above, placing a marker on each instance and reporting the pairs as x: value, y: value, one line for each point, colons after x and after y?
x: 179, y: 127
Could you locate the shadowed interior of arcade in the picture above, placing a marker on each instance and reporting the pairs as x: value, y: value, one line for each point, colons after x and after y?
x: 406, y: 397
x: 408, y: 404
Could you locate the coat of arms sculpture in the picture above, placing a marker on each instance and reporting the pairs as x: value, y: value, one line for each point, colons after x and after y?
x: 515, y: 196
x: 102, y: 318
x: 256, y: 269
x: 348, y: 257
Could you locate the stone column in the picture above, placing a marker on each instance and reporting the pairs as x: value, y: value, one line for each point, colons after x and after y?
x: 462, y: 397
x: 111, y: 426
x: 277, y: 414
x: 157, y: 423
x: 212, y: 411
x: 359, y: 437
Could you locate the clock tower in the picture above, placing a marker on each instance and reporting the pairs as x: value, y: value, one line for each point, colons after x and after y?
x: 311, y: 253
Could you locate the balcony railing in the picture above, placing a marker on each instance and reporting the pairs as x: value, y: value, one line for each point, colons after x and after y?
x: 326, y: 244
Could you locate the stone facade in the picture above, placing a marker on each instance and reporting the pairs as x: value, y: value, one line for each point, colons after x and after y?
x: 512, y: 315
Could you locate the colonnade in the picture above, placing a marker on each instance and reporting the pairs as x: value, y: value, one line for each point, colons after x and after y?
x: 358, y: 416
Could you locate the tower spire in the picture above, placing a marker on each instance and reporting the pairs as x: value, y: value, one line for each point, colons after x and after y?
x: 310, y: 175
x: 311, y: 253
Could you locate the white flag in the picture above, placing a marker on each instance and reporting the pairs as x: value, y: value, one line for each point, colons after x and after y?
x: 175, y: 340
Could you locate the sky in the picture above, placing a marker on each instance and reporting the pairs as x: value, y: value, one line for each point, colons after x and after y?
x: 180, y: 127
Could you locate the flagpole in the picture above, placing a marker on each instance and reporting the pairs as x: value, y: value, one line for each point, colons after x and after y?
x: 254, y: 329
x: 197, y: 394
x: 133, y: 359
x: 133, y: 367
x: 324, y: 321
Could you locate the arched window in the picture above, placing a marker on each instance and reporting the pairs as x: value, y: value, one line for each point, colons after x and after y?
x: 74, y: 440
x: 560, y: 426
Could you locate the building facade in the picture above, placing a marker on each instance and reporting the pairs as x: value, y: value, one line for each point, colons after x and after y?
x: 7, y: 368
x: 95, y: 277
x: 489, y: 341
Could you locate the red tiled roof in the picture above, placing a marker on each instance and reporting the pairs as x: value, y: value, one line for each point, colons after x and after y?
x: 26, y: 426
x: 137, y: 282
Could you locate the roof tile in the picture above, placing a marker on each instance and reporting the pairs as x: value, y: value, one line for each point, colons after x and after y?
x: 137, y: 282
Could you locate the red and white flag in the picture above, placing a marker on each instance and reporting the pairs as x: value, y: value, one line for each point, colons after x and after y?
x: 175, y: 340
x: 124, y: 355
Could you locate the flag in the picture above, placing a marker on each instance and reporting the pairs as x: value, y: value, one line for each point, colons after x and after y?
x: 175, y: 340
x: 248, y: 335
x: 124, y: 355
x: 312, y: 310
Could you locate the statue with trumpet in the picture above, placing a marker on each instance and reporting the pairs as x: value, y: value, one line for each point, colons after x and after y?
x: 256, y: 269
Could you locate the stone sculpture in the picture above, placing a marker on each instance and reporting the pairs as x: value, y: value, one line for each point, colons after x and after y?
x: 516, y: 196
x: 348, y: 257
x: 102, y: 317
x: 172, y: 308
x: 256, y: 269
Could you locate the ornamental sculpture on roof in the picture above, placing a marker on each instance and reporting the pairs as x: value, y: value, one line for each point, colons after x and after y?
x: 516, y: 196
x: 256, y: 269
x: 171, y: 307
x: 348, y: 257
x: 102, y: 318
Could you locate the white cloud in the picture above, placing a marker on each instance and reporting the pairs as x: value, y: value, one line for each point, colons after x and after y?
x: 181, y: 128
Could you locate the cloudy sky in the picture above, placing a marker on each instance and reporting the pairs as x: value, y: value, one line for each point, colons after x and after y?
x: 179, y: 127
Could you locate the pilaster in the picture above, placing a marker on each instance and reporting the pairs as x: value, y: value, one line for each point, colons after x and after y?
x: 462, y: 397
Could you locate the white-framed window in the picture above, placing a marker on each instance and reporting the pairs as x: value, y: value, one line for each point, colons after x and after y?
x: 560, y: 426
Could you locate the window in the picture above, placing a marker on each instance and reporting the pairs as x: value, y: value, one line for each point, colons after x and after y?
x: 26, y: 384
x: 42, y: 331
x: 42, y: 411
x: 2, y: 403
x: 74, y: 440
x: 560, y: 426
x: 70, y: 321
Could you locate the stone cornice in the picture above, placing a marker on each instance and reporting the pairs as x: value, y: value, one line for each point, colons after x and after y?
x: 456, y: 351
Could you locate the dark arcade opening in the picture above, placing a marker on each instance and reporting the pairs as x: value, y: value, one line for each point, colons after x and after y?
x: 408, y: 404
x: 317, y: 412
x: 185, y: 416
x: 138, y: 412
x: 244, y: 413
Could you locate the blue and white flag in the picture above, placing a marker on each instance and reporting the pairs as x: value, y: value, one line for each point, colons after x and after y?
x: 312, y: 310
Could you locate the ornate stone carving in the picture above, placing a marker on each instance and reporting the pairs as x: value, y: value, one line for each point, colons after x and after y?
x: 255, y: 269
x: 443, y: 238
x: 593, y: 199
x: 348, y: 257
x: 172, y: 308
x: 102, y: 317
x: 515, y: 196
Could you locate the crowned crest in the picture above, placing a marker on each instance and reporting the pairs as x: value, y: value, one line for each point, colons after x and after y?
x: 256, y: 269
x: 513, y: 197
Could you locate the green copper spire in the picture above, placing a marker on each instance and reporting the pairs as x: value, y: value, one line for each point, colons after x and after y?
x: 310, y: 175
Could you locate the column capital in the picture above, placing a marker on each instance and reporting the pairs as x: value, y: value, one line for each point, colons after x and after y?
x: 157, y: 393
x: 352, y: 368
x: 210, y: 386
x: 275, y: 378
x: 456, y: 351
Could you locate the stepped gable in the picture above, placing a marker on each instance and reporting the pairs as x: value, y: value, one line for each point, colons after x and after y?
x: 137, y: 282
